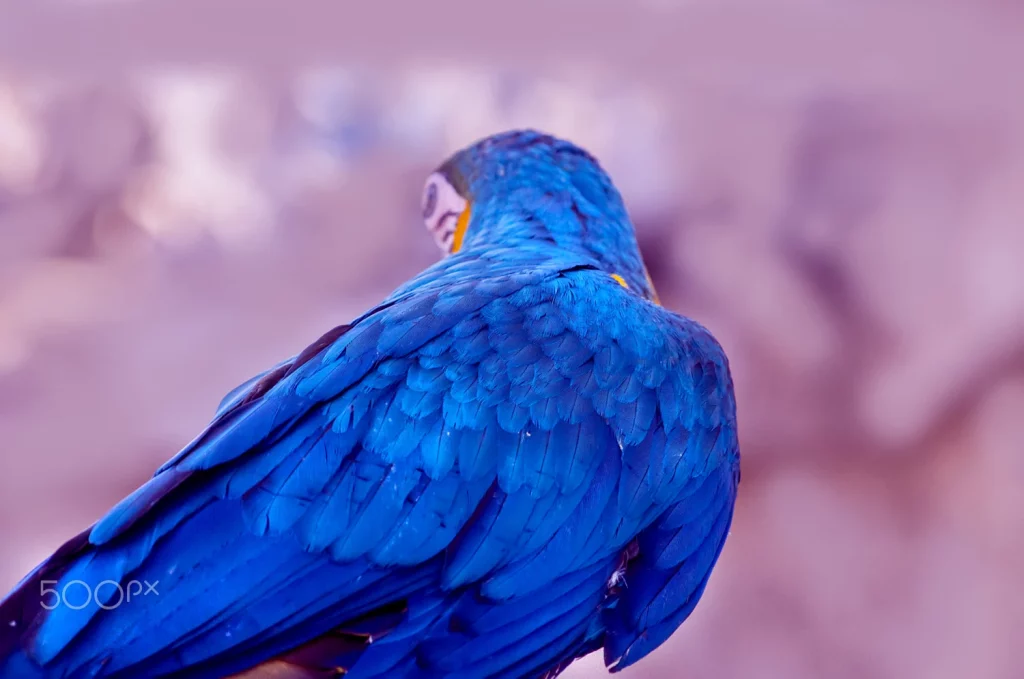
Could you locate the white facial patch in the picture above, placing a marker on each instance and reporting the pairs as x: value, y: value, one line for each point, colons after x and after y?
x: 442, y: 206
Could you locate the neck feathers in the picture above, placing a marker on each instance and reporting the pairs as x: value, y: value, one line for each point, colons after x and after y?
x: 561, y: 223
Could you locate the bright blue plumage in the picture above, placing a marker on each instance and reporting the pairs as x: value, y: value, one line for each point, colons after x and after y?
x: 511, y: 462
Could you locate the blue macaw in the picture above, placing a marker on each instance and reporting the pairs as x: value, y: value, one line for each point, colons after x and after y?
x: 514, y: 460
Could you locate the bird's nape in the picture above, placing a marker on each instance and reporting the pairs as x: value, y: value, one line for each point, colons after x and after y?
x: 526, y: 189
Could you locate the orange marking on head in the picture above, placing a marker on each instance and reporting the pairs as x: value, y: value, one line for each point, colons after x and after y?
x: 460, y: 230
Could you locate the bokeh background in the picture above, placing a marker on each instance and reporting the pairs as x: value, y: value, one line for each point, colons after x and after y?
x: 191, y: 190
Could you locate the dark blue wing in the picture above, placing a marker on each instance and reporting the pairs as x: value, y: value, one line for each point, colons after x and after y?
x: 445, y: 486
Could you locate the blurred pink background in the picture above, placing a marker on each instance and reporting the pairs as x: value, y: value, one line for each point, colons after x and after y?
x: 191, y: 191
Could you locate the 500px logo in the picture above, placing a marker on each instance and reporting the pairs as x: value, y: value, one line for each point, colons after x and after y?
x: 108, y: 594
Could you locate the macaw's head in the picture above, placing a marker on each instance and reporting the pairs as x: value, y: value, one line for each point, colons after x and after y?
x: 528, y: 190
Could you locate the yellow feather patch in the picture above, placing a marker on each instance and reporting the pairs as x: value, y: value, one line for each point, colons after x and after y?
x: 460, y: 230
x: 620, y: 280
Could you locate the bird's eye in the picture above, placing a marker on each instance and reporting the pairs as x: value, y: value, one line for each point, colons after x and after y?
x: 445, y: 213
